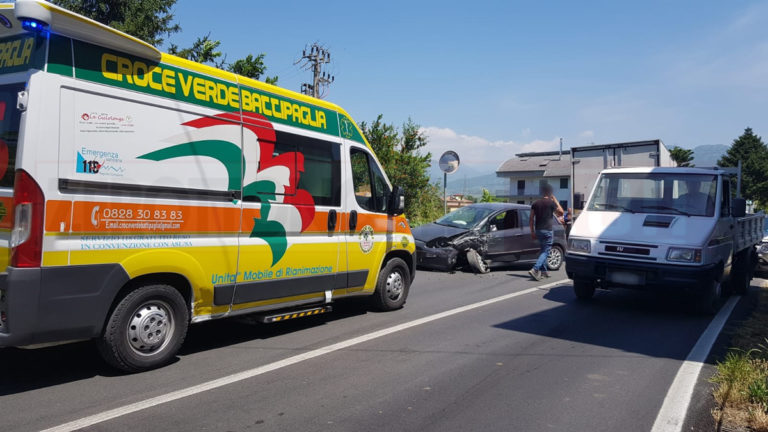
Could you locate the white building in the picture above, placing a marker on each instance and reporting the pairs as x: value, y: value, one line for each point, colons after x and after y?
x: 528, y: 171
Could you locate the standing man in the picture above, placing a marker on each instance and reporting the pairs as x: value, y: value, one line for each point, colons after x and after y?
x: 543, y: 212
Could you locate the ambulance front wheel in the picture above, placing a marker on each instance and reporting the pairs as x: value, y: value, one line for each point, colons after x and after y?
x: 392, y: 286
x: 146, y: 329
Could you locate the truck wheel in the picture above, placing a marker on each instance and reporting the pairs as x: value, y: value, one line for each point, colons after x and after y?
x: 392, y: 286
x: 146, y: 329
x: 743, y: 271
x: 555, y: 258
x: 584, y: 288
x: 477, y: 262
x: 711, y: 298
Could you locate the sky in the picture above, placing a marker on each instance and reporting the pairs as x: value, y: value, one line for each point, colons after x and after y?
x: 492, y: 79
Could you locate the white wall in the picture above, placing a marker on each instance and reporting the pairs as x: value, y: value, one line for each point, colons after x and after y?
x: 532, y: 189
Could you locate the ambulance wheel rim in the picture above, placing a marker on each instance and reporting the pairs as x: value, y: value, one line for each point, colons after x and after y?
x: 395, y: 286
x: 150, y: 328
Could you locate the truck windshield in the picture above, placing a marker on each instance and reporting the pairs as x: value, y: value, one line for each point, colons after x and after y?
x: 465, y: 217
x: 664, y: 193
x: 10, y: 120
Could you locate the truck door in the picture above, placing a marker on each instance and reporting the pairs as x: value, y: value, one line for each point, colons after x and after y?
x: 289, y: 236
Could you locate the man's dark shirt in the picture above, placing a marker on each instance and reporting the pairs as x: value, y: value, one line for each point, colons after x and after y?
x: 543, y: 213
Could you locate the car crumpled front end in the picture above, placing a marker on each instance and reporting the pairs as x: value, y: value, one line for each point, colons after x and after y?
x: 447, y: 253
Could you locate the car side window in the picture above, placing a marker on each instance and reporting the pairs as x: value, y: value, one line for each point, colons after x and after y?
x: 503, y: 221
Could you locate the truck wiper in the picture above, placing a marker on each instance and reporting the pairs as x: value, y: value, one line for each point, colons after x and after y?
x: 614, y: 206
x: 663, y: 207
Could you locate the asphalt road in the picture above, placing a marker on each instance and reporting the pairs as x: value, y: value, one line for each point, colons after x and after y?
x: 538, y: 361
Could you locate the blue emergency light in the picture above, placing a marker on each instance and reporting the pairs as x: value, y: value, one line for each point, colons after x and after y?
x: 30, y: 24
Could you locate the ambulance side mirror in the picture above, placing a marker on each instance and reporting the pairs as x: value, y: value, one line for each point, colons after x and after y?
x: 396, y: 204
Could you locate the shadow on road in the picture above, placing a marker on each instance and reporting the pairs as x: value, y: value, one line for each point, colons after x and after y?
x: 30, y: 369
x: 651, y: 324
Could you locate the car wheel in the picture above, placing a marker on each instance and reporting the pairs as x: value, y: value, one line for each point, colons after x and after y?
x: 477, y: 262
x: 555, y: 258
x: 392, y: 286
x: 584, y: 288
x: 146, y: 329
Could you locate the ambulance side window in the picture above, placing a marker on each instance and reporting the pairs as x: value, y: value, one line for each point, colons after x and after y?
x: 371, y: 189
x: 322, y: 171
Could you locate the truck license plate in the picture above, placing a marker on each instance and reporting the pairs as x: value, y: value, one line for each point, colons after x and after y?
x: 626, y: 277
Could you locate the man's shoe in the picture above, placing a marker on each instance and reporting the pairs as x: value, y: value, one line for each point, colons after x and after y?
x: 535, y: 274
x: 545, y: 274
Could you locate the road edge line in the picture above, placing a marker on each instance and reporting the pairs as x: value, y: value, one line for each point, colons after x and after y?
x: 240, y: 376
x: 674, y: 409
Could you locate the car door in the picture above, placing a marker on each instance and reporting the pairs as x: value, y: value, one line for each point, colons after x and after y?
x: 503, y: 230
x: 529, y: 247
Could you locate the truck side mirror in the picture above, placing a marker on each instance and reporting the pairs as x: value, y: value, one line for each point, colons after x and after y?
x: 396, y: 204
x: 738, y: 207
x: 578, y: 201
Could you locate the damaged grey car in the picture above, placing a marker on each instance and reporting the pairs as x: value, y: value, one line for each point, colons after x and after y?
x: 482, y: 235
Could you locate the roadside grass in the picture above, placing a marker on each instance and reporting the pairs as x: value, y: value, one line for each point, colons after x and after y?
x: 741, y: 380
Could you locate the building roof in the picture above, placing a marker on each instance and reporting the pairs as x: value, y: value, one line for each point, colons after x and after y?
x: 541, y: 164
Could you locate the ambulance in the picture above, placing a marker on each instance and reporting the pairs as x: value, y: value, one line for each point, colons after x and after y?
x: 141, y: 192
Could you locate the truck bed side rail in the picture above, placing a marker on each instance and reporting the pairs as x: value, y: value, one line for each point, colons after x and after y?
x: 749, y: 231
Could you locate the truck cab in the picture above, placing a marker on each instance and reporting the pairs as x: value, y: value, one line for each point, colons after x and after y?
x: 663, y: 229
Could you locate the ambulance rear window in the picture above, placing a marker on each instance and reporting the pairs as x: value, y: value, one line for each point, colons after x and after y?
x: 10, y: 119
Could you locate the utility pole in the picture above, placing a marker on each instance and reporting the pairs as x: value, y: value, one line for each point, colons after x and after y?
x: 313, y: 58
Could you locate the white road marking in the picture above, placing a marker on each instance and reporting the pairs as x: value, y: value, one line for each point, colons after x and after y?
x: 672, y: 413
x: 240, y: 376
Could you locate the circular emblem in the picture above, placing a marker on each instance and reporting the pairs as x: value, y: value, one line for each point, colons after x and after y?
x: 404, y: 241
x: 366, y: 239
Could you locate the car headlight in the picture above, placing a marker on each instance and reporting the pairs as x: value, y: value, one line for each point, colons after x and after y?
x: 763, y: 248
x: 580, y: 245
x: 684, y: 255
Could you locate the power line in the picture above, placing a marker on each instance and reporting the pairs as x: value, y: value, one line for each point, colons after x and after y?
x: 313, y: 58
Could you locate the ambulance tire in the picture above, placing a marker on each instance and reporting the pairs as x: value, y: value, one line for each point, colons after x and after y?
x: 392, y: 286
x: 146, y: 329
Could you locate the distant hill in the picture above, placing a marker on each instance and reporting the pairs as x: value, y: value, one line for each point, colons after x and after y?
x: 708, y: 155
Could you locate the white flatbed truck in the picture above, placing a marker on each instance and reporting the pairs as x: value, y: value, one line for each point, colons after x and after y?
x: 664, y: 229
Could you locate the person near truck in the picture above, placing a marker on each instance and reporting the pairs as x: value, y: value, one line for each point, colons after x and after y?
x: 543, y: 212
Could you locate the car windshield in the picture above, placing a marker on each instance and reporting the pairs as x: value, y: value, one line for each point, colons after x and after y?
x: 664, y: 193
x: 465, y: 217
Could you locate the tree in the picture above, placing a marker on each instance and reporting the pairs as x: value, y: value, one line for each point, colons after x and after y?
x: 399, y: 152
x: 753, y: 154
x: 487, y: 197
x: 152, y: 20
x: 148, y: 20
x: 682, y: 157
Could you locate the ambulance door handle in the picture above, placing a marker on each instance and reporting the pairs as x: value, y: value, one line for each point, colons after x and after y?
x: 332, y: 220
x: 353, y: 220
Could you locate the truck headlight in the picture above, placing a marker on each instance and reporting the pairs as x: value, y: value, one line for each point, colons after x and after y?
x: 684, y: 255
x: 580, y: 245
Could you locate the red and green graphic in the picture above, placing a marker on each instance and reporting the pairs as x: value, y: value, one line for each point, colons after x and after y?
x: 268, y: 178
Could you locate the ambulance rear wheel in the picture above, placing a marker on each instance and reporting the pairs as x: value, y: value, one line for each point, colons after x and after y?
x: 392, y: 286
x: 146, y: 329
